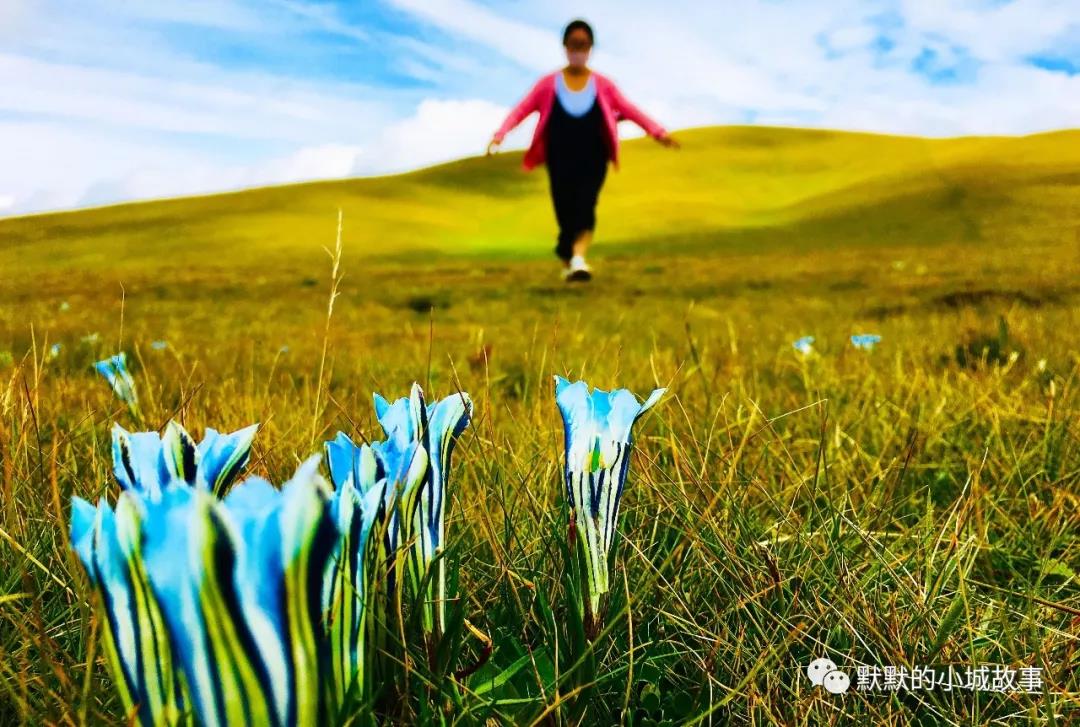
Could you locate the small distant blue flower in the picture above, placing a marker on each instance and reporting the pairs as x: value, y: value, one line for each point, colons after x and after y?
x: 55, y: 349
x: 115, y: 371
x: 159, y: 345
x: 598, y: 441
x: 804, y: 345
x: 865, y: 341
x: 146, y: 463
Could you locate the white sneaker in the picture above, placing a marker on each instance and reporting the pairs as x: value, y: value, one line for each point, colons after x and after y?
x: 579, y: 270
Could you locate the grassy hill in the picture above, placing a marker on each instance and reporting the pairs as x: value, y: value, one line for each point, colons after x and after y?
x: 728, y: 188
x: 912, y: 505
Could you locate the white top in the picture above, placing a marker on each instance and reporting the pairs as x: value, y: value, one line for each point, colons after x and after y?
x: 576, y: 103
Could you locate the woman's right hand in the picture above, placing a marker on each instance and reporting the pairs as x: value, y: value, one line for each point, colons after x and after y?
x: 669, y: 141
x: 493, y: 146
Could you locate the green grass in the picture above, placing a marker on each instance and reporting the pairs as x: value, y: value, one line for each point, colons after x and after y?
x: 913, y: 506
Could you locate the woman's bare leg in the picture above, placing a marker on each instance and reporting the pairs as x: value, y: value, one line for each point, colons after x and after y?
x: 577, y: 268
x: 581, y: 244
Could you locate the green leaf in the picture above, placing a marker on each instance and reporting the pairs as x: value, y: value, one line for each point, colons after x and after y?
x: 945, y: 628
x: 486, y: 684
x: 1055, y: 567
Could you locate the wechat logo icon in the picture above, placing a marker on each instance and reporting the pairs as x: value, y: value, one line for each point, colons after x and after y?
x: 823, y: 673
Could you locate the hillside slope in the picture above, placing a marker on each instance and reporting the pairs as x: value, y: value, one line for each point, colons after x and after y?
x: 728, y: 188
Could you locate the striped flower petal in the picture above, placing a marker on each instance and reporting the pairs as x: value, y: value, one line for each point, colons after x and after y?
x: 347, y: 586
x: 133, y: 628
x: 404, y: 420
x: 223, y: 456
x: 597, y: 427
x: 447, y: 419
x: 145, y: 462
x: 138, y: 461
x: 239, y: 583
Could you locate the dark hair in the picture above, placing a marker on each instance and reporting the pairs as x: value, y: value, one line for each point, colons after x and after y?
x: 578, y: 24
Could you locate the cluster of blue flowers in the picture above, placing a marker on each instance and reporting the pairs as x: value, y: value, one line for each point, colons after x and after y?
x: 240, y: 603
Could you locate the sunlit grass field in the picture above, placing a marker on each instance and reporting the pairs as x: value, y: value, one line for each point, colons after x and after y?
x: 914, y: 505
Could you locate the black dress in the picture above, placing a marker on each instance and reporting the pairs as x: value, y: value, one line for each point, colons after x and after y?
x: 577, y: 159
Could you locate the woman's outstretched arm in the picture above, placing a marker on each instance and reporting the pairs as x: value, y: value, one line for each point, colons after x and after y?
x: 517, y: 114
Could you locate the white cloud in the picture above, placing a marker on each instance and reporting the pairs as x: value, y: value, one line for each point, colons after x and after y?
x: 109, y: 101
x: 166, y: 177
x: 56, y: 166
x: 13, y: 16
x: 325, y: 17
x: 816, y: 63
x: 242, y: 105
x: 439, y: 131
x: 993, y: 31
x: 530, y: 46
x: 202, y: 13
x: 311, y: 162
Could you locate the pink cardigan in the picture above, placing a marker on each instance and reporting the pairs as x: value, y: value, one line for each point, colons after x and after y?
x: 613, y: 106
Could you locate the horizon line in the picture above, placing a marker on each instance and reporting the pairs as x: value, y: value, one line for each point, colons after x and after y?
x: 508, y: 152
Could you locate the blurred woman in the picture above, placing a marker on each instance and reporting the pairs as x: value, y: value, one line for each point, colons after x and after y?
x: 576, y: 137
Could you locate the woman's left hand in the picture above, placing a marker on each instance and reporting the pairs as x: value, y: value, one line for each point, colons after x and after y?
x: 669, y: 141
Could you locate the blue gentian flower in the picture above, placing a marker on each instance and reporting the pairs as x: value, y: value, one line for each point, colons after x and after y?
x: 437, y: 427
x: 214, y: 608
x: 350, y: 580
x: 145, y: 462
x: 865, y: 341
x: 375, y: 486
x: 597, y: 429
x: 804, y: 345
x: 239, y: 583
x: 55, y: 350
x: 115, y: 371
x: 397, y: 468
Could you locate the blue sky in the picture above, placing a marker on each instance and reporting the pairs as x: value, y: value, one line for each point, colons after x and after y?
x: 110, y: 100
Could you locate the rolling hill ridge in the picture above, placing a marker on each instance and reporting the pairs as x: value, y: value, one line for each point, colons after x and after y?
x: 727, y: 189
